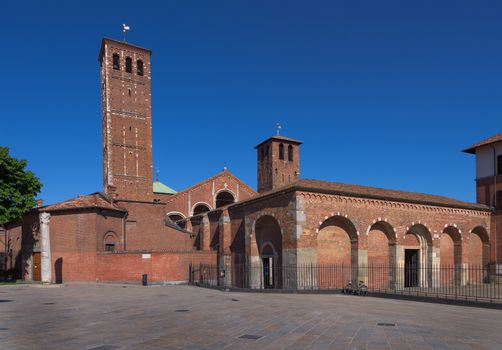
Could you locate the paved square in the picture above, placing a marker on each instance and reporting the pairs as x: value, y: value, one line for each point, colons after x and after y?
x: 105, y: 317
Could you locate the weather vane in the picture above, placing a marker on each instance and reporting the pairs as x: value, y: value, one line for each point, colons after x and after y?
x: 278, y: 126
x: 125, y: 29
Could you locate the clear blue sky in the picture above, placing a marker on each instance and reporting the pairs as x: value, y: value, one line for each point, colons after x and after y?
x: 382, y: 93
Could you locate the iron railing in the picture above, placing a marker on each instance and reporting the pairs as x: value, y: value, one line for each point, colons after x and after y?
x: 459, y: 282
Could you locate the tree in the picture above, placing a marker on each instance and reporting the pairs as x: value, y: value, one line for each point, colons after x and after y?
x: 18, y: 187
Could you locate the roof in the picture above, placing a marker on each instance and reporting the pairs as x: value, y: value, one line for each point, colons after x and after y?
x: 121, y: 43
x: 488, y: 141
x: 280, y: 138
x: 159, y: 187
x: 224, y: 172
x: 94, y: 200
x: 337, y: 188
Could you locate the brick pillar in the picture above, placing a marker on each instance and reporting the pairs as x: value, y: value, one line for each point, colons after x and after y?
x: 205, y: 231
x: 45, y: 247
x: 225, y: 261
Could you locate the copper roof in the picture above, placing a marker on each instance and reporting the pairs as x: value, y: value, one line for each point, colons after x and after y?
x: 488, y: 141
x: 337, y: 188
x: 280, y: 138
x: 94, y: 200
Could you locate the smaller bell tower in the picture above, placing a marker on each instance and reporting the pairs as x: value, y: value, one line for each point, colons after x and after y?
x: 278, y: 162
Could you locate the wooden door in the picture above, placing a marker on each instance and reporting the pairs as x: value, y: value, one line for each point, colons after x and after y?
x: 37, y: 268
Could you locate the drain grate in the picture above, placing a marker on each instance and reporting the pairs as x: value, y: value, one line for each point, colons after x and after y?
x: 250, y: 336
x: 106, y: 347
x: 4, y: 329
x: 182, y: 310
x: 49, y: 303
x: 386, y: 324
x: 5, y: 301
x: 235, y: 299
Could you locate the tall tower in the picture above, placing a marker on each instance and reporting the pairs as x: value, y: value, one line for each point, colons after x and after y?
x: 488, y: 170
x: 278, y: 162
x: 126, y: 120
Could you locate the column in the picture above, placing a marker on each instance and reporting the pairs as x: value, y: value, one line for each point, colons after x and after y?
x: 45, y: 247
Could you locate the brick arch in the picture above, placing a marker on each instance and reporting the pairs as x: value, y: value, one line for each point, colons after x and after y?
x: 200, y: 203
x: 109, y: 238
x: 478, y: 246
x: 223, y: 190
x: 269, y: 241
x: 386, y: 227
x: 337, y: 241
x: 261, y: 215
x: 450, y: 245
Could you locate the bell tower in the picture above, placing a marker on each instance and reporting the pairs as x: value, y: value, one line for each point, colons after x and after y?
x: 278, y: 162
x: 126, y: 120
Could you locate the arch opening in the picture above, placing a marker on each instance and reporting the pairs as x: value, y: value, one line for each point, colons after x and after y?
x: 268, y: 237
x: 224, y: 198
x: 200, y: 208
x: 110, y: 242
x: 417, y: 257
x: 337, y: 253
x: 381, y: 244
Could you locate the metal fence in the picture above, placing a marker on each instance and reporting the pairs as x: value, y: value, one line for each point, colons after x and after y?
x: 458, y: 282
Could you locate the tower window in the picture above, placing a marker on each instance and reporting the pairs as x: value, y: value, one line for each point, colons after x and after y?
x: 128, y: 65
x: 499, y: 165
x: 281, y: 151
x: 290, y: 153
x: 267, y: 152
x: 498, y: 204
x: 116, y: 61
x: 262, y: 152
x: 139, y: 67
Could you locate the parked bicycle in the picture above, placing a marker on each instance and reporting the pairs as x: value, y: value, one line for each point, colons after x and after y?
x: 360, y: 289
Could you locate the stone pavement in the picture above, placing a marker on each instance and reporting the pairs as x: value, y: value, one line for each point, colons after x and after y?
x: 105, y: 317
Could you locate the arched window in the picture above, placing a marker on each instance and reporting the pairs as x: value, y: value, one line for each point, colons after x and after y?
x: 200, y: 209
x: 128, y: 65
x: 499, y: 165
x: 267, y: 152
x: 110, y: 241
x: 290, y: 153
x: 224, y: 198
x: 139, y: 67
x: 281, y: 151
x: 116, y: 61
x: 498, y: 203
x: 177, y: 219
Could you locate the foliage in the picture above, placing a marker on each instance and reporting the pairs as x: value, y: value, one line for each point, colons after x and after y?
x: 18, y: 187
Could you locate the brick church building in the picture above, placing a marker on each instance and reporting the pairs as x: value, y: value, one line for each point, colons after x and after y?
x: 138, y: 226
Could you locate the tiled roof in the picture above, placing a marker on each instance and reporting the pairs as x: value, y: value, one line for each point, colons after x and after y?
x: 488, y: 141
x: 94, y: 200
x: 280, y: 138
x: 337, y: 188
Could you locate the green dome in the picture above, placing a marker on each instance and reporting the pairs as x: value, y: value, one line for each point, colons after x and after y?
x: 159, y: 187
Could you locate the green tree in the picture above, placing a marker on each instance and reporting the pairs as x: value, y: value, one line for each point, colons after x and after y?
x: 18, y: 187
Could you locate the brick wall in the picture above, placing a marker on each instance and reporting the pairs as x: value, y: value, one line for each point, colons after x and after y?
x: 160, y: 266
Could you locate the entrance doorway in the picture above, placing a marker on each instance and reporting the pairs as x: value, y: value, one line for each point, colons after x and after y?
x: 268, y: 272
x: 411, y: 267
x: 37, y: 268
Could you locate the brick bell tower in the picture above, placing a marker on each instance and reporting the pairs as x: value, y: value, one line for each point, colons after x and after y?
x: 278, y: 162
x: 126, y: 120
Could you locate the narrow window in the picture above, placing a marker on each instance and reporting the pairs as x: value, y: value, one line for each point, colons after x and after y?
x: 128, y: 65
x: 116, y: 61
x: 262, y: 151
x: 139, y: 67
x: 281, y: 151
x: 129, y: 92
x: 267, y: 152
x: 499, y: 165
x: 110, y: 247
x: 290, y: 153
x: 498, y: 204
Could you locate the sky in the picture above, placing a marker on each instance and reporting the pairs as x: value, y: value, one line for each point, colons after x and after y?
x: 382, y: 93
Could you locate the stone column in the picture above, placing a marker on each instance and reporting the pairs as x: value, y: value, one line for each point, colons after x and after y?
x: 45, y: 247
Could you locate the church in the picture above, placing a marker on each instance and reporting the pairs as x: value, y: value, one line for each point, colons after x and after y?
x: 137, y: 226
